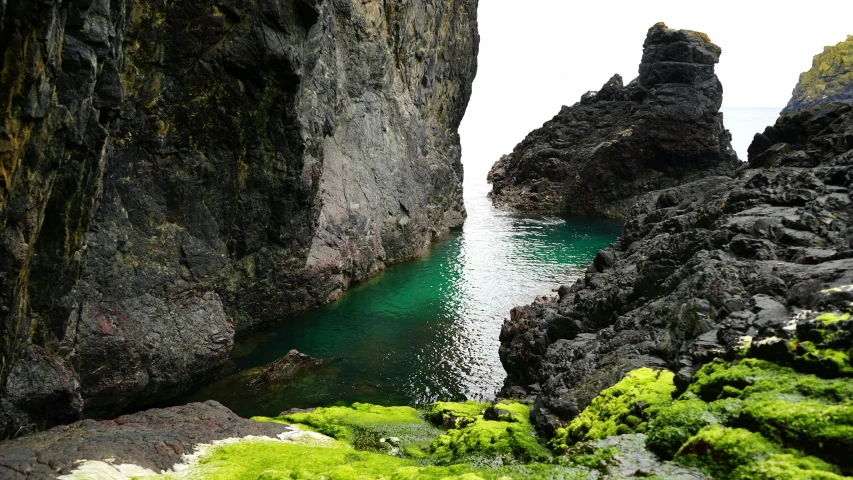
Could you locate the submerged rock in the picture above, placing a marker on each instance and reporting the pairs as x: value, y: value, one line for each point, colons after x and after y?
x: 598, y: 156
x: 282, y: 370
x: 176, y: 173
x: 699, y: 267
x: 829, y: 80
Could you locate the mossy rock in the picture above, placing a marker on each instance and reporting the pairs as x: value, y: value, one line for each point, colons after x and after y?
x: 739, y: 454
x: 804, y: 413
x: 829, y: 80
x: 364, y: 426
x: 511, y: 437
x: 619, y: 410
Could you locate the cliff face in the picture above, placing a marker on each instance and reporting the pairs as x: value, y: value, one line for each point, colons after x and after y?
x: 829, y: 80
x: 177, y: 172
x: 699, y: 268
x: 598, y: 156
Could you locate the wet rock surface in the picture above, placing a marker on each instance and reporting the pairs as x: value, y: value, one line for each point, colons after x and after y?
x: 599, y: 155
x: 155, y: 439
x: 700, y: 267
x: 175, y: 173
x: 282, y: 370
x: 829, y: 80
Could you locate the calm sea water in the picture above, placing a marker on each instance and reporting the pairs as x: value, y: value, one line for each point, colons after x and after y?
x: 424, y: 330
x: 745, y: 122
x: 428, y: 330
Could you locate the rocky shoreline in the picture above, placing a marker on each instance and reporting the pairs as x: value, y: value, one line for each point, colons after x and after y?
x: 698, y: 267
x: 712, y: 340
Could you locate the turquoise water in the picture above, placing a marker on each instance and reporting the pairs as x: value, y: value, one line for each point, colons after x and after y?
x: 424, y: 330
x: 428, y: 330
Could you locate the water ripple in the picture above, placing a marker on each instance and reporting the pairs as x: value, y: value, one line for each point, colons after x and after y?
x: 425, y: 330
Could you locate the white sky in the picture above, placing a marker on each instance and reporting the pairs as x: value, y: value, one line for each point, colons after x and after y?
x: 537, y: 55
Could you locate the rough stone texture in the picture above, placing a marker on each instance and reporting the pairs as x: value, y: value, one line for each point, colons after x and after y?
x: 829, y: 80
x: 598, y: 156
x: 155, y: 439
x: 699, y: 266
x: 174, y: 173
x: 281, y: 371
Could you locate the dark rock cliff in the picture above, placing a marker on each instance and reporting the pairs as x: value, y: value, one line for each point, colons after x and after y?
x: 174, y: 173
x: 699, y: 267
x: 598, y: 156
x: 829, y: 80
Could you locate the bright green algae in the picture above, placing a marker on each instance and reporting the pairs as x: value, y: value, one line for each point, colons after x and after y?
x: 475, y: 449
x: 785, y: 414
x: 741, y: 420
x: 748, y: 419
x: 364, y: 426
x: 620, y: 410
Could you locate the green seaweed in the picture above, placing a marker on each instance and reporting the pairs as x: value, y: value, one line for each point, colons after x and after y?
x: 620, y: 409
x: 739, y: 454
x: 364, y: 426
x: 512, y: 441
x: 269, y: 460
x: 481, y: 449
x: 775, y: 405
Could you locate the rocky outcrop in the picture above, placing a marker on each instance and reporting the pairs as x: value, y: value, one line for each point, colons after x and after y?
x: 598, y: 156
x: 699, y: 268
x: 155, y: 440
x: 829, y: 80
x: 174, y: 173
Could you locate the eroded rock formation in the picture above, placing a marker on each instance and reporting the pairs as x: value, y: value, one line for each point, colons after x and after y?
x: 176, y: 172
x: 699, y: 267
x: 829, y: 80
x: 599, y: 155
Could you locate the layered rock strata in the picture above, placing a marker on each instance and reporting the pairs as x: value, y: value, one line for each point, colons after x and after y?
x: 829, y: 80
x: 701, y: 267
x: 597, y: 156
x: 174, y: 173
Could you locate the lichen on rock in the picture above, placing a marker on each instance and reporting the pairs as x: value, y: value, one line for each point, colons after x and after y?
x: 829, y: 80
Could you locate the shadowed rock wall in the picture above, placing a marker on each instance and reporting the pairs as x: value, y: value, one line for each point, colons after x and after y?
x: 174, y: 173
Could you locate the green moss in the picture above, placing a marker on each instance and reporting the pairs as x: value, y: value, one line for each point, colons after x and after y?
x: 364, y: 426
x: 826, y: 361
x: 620, y: 409
x: 674, y: 426
x: 512, y: 441
x: 591, y: 457
x: 454, y: 413
x: 812, y: 426
x: 736, y: 453
x: 765, y: 405
x: 255, y: 460
x: 830, y: 318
